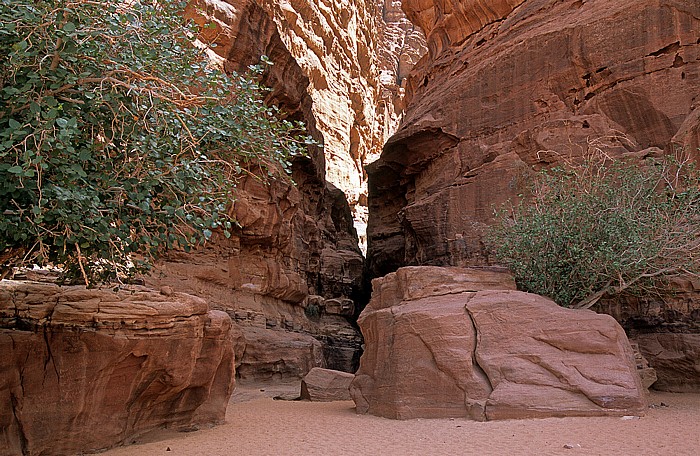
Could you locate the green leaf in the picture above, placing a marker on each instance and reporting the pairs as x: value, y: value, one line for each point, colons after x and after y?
x: 15, y: 170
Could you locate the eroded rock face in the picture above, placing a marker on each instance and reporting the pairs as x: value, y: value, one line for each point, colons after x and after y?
x: 467, y: 351
x: 298, y: 240
x: 328, y: 55
x: 83, y: 370
x: 512, y: 86
x: 277, y: 355
x: 295, y: 241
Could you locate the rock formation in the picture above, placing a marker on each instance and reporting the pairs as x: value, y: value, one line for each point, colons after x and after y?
x: 327, y: 57
x: 514, y: 85
x: 297, y: 244
x: 83, y: 370
x: 454, y: 346
x: 676, y: 359
x: 325, y: 385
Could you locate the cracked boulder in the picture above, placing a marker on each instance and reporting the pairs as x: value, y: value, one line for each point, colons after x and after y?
x: 83, y: 370
x: 454, y: 347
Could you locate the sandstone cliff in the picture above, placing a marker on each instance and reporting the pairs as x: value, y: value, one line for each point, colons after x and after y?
x: 292, y: 275
x: 327, y: 59
x: 510, y: 86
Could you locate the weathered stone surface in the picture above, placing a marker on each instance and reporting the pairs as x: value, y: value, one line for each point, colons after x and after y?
x: 84, y: 369
x: 676, y: 359
x: 293, y: 241
x: 299, y: 240
x: 512, y: 86
x: 401, y: 45
x: 326, y: 385
x: 277, y: 355
x: 327, y: 55
x: 543, y: 360
x: 489, y: 355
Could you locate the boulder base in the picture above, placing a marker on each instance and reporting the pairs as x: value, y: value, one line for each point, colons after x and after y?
x: 490, y: 354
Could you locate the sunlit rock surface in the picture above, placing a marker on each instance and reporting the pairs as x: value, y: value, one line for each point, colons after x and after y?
x: 338, y: 67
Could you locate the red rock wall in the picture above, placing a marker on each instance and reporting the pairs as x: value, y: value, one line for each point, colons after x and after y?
x: 82, y: 370
x: 297, y: 243
x: 512, y: 86
x: 509, y: 87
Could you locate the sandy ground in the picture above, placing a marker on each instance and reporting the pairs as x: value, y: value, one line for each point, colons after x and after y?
x: 258, y: 425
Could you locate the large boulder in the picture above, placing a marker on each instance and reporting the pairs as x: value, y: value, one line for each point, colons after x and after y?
x: 488, y: 354
x: 277, y: 355
x: 82, y: 370
x: 326, y: 385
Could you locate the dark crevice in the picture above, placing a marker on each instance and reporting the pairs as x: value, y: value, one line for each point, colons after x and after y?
x: 23, y: 442
x: 673, y: 47
x: 49, y: 356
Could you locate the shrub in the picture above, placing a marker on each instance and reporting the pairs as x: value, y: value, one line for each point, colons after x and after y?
x: 602, y: 228
x: 118, y: 139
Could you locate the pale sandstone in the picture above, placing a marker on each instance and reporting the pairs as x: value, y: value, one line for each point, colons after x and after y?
x: 489, y: 355
x: 328, y: 56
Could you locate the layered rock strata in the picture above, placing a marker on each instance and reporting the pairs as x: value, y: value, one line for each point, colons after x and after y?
x: 512, y: 86
x: 297, y: 243
x: 327, y: 59
x: 82, y: 370
x: 452, y: 345
x: 288, y: 276
x: 675, y: 358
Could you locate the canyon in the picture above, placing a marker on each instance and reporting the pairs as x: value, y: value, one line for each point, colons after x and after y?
x: 428, y: 115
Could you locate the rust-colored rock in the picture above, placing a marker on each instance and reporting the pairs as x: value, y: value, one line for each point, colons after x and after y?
x: 512, y: 86
x: 544, y: 360
x: 294, y: 240
x: 327, y: 59
x: 495, y: 354
x: 83, y: 370
x: 326, y: 385
x: 676, y: 359
x: 277, y: 355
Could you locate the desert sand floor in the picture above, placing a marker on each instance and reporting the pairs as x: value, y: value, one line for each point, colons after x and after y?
x: 258, y: 425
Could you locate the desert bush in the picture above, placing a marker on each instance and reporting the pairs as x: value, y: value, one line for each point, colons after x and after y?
x: 602, y: 228
x: 118, y: 138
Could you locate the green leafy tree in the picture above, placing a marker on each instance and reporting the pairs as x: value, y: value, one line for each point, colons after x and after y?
x: 118, y: 139
x: 602, y: 228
